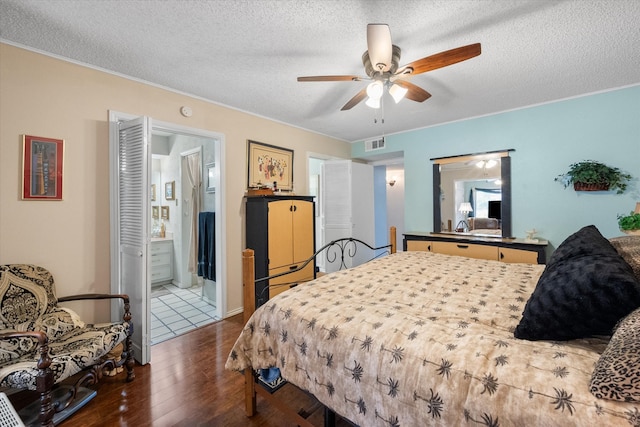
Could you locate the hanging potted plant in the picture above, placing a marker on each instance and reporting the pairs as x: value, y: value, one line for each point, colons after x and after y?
x: 590, y: 175
x: 630, y: 224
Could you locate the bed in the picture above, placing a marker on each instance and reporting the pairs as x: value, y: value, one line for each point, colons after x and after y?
x: 484, y: 226
x: 419, y: 338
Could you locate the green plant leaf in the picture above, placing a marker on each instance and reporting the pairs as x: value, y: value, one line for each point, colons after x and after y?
x: 629, y: 222
x: 593, y: 172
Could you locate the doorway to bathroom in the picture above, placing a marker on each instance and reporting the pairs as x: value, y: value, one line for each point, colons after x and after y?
x: 147, y: 214
x: 183, y: 294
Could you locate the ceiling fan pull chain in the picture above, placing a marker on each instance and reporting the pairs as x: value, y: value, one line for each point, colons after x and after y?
x: 381, y: 110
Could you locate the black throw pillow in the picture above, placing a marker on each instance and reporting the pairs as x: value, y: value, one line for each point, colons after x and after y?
x: 586, y: 288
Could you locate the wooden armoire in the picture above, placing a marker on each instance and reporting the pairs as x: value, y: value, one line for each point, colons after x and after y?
x: 281, y: 232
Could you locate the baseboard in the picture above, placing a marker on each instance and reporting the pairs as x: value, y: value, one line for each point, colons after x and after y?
x: 234, y: 312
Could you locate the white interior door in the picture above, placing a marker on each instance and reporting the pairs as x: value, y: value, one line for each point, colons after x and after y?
x: 337, y: 208
x: 133, y: 169
x: 348, y: 205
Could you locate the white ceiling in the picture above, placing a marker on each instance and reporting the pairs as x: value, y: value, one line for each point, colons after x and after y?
x: 247, y: 54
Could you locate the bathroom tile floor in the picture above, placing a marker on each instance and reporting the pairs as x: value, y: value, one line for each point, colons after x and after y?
x: 175, y: 311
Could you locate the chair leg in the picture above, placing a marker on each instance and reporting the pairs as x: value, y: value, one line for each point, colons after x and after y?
x: 44, y: 386
x: 47, y: 410
x: 130, y: 362
x: 128, y: 344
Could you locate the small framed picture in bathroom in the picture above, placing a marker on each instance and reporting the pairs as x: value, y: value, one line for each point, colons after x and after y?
x: 164, y: 212
x: 155, y: 212
x: 170, y: 190
x: 210, y: 169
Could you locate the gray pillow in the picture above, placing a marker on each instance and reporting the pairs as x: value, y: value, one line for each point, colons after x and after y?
x: 629, y: 249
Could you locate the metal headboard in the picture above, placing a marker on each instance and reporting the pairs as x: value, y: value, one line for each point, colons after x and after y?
x: 344, y: 249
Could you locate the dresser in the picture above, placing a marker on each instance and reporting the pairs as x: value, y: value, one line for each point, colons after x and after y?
x: 491, y: 248
x: 281, y: 232
x: 161, y: 261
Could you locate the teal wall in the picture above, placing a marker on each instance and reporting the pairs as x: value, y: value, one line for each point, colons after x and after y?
x: 546, y: 139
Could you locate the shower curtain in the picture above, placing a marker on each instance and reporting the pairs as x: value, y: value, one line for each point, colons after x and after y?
x: 194, y: 172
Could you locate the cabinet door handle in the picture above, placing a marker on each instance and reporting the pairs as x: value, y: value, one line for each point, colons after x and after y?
x: 429, y: 247
x: 501, y: 255
x: 463, y: 246
x: 293, y: 267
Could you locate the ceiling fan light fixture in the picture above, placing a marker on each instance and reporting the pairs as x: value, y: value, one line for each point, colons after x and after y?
x: 397, y: 92
x: 374, y: 90
x: 373, y: 102
x: 486, y: 164
x: 381, y: 65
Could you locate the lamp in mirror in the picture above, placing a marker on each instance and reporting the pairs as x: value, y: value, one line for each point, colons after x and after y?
x: 465, y: 208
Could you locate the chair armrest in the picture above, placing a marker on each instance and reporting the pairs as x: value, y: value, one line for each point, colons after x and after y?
x: 124, y: 297
x: 38, y: 335
x: 45, y: 379
x: 127, y: 313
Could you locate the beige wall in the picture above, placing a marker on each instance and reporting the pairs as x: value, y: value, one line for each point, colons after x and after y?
x: 47, y: 97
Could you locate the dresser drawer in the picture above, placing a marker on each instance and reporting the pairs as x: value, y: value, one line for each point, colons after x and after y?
x: 419, y: 245
x: 161, y: 247
x: 468, y: 250
x: 161, y: 273
x: 161, y: 253
x: 160, y: 259
x: 510, y: 250
x: 288, y: 280
x: 518, y: 256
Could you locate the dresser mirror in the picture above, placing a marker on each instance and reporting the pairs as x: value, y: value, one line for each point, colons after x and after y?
x: 472, y: 194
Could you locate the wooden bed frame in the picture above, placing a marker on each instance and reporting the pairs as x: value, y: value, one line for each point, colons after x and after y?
x: 347, y: 248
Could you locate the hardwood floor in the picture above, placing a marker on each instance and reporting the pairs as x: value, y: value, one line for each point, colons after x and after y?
x: 186, y: 385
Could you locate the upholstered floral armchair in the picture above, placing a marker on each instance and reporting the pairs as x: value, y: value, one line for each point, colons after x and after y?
x: 42, y: 343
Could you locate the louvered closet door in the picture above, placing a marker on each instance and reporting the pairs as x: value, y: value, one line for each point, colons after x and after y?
x: 337, y: 208
x: 337, y: 198
x: 133, y: 201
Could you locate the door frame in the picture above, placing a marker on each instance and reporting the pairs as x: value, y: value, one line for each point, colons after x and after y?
x: 319, y: 228
x: 220, y: 201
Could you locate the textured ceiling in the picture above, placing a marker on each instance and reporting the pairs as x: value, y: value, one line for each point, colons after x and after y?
x: 247, y: 54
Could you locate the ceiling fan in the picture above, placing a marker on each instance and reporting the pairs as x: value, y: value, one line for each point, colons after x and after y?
x: 381, y: 67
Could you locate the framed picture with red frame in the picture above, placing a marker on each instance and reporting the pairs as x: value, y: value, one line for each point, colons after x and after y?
x: 42, y: 164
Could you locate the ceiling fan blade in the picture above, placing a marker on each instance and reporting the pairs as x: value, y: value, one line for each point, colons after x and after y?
x: 379, y: 46
x: 442, y: 59
x: 414, y: 93
x: 329, y: 78
x: 355, y: 100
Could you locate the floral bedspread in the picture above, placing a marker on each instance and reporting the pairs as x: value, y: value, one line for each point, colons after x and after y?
x: 417, y: 339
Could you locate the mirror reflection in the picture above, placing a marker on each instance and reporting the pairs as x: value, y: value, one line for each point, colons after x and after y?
x: 473, y: 194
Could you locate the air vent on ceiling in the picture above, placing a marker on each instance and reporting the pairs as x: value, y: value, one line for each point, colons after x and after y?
x: 374, y: 144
